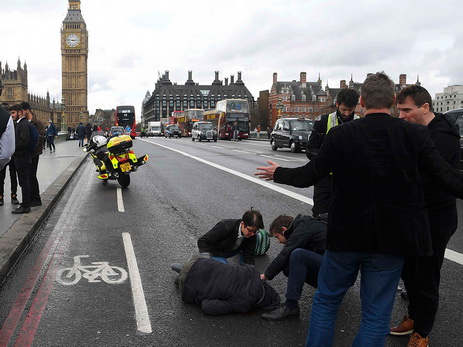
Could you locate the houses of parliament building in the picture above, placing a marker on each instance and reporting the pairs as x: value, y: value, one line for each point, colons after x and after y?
x: 72, y: 108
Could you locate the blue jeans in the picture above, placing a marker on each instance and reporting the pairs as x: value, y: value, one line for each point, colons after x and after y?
x: 229, y: 255
x: 380, y: 274
x: 304, y: 266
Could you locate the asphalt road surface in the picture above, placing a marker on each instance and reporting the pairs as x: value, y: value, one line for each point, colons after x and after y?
x: 98, y: 272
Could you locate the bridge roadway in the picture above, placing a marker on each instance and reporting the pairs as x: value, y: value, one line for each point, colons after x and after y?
x: 184, y: 189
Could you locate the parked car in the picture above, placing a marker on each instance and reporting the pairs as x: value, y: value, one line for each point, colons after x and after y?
x: 457, y: 117
x: 172, y: 130
x: 203, y: 130
x: 291, y: 133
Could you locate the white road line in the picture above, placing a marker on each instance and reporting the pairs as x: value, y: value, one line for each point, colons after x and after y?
x: 120, y: 201
x: 273, y: 157
x: 141, y: 310
x: 449, y: 254
x: 454, y: 256
x: 246, y: 177
x: 239, y: 150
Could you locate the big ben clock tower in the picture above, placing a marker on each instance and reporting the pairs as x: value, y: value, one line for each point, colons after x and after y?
x: 74, y: 53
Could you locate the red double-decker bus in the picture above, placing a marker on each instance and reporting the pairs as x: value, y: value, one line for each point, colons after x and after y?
x: 226, y: 114
x: 186, y: 120
x: 125, y: 117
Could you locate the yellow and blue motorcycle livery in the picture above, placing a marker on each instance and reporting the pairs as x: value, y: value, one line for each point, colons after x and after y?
x: 113, y: 157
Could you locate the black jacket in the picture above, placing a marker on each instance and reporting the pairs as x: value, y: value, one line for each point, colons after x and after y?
x: 377, y: 200
x: 224, y: 288
x: 22, y: 135
x: 221, y: 239
x: 305, y: 232
x: 446, y: 137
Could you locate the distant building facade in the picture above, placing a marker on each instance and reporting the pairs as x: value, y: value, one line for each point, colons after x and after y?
x: 168, y: 97
x: 15, y: 91
x: 309, y: 99
x: 450, y: 99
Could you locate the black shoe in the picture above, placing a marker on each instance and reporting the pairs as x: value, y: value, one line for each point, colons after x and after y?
x: 177, y: 267
x: 1, y: 201
x: 14, y: 199
x: 35, y: 203
x: 21, y: 209
x: 283, y: 312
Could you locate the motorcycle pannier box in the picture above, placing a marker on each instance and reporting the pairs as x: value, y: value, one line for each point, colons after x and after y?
x: 119, y: 143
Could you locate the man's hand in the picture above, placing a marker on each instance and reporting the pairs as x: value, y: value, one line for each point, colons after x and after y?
x: 267, y: 172
x: 262, y: 277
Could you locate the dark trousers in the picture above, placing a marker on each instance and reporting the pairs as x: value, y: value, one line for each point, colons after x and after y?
x: 51, y: 142
x: 421, y: 275
x: 13, y: 179
x: 23, y: 168
x: 35, y: 191
x: 304, y: 266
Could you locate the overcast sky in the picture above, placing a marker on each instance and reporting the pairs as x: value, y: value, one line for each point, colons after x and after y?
x: 131, y: 41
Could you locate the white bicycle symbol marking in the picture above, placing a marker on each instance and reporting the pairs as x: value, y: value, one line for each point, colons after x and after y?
x: 109, y: 274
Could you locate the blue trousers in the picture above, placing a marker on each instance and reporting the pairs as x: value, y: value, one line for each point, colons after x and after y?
x: 304, y: 266
x: 229, y: 255
x: 380, y: 274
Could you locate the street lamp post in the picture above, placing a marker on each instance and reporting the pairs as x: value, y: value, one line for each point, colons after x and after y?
x: 63, y: 121
x: 279, y: 107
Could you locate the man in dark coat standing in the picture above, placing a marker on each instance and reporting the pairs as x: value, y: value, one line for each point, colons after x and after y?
x: 377, y: 213
x: 421, y: 275
x: 230, y: 237
x: 81, y: 134
x: 22, y: 157
x: 224, y: 288
x: 37, y: 123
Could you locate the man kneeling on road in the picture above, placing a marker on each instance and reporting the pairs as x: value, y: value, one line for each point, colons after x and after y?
x: 224, y: 288
x: 230, y: 237
x: 304, y: 240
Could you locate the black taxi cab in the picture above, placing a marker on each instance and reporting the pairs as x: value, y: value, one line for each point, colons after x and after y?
x: 292, y: 133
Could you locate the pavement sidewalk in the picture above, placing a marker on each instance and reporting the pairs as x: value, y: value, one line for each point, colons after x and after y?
x: 55, y: 171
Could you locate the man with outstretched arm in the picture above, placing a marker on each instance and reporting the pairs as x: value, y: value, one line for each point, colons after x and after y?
x: 377, y: 213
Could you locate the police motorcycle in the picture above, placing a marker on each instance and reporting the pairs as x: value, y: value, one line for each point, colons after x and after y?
x: 113, y: 157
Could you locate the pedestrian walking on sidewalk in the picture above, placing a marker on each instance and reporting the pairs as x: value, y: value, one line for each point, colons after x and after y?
x: 51, y: 134
x: 81, y: 134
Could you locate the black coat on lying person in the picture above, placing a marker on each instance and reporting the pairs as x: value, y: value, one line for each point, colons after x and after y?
x: 225, y: 288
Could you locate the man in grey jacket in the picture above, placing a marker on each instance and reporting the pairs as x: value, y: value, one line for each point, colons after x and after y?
x: 7, y: 145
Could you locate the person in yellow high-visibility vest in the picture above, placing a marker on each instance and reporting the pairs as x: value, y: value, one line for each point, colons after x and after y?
x: 346, y: 101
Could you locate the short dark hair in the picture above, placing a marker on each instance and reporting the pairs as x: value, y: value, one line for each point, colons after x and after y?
x: 377, y: 91
x: 280, y: 222
x: 348, y: 97
x: 419, y: 95
x: 16, y: 107
x: 253, y: 218
x: 25, y: 105
x: 5, y: 106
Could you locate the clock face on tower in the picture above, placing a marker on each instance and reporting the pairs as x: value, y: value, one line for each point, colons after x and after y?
x: 72, y: 40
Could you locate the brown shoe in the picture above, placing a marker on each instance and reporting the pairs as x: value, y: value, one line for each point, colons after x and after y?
x: 404, y: 328
x: 417, y: 341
